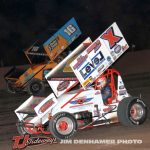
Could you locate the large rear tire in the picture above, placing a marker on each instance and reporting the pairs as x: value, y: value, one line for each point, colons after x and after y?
x: 23, y: 129
x: 20, y: 129
x: 36, y: 87
x: 63, y: 125
x: 131, y: 111
x: 9, y: 86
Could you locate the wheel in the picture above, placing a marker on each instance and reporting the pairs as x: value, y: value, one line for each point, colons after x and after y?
x: 63, y: 125
x: 132, y: 111
x: 36, y: 87
x: 9, y: 86
x: 23, y: 129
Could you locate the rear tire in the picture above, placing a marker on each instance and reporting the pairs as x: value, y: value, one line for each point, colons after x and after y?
x: 23, y: 129
x: 63, y: 125
x: 36, y: 87
x: 131, y: 111
x: 20, y: 129
x: 9, y: 86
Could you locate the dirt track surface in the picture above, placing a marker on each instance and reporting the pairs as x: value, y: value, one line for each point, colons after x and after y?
x: 9, y: 102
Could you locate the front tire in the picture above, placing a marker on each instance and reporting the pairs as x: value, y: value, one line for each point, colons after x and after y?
x: 63, y: 125
x: 131, y: 111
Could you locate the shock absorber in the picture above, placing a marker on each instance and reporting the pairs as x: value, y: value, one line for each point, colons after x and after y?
x: 96, y: 111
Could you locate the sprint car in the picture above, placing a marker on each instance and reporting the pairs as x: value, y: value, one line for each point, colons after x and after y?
x: 105, y: 101
x: 43, y: 57
x: 100, y: 98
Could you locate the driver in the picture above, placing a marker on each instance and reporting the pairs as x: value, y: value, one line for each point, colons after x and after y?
x: 103, y: 86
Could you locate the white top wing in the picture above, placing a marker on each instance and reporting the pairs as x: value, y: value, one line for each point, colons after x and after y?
x: 100, y: 55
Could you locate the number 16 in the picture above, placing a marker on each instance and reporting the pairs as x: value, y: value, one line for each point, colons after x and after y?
x: 70, y: 29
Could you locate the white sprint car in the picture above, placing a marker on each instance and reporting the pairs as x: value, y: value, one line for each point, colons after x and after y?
x: 105, y: 102
x: 102, y: 99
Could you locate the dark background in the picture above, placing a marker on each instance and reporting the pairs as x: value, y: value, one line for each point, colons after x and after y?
x: 24, y: 21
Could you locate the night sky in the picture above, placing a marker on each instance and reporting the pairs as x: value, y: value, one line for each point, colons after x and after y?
x: 24, y: 21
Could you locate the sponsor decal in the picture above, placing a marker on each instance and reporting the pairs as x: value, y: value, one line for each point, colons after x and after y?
x: 80, y: 105
x: 125, y: 47
x: 113, y: 55
x: 21, y: 142
x: 45, y: 106
x: 108, y: 58
x: 87, y: 70
x: 63, y: 79
x: 100, y: 68
x: 53, y: 43
x: 117, y: 49
x: 110, y: 36
x: 80, y: 61
x: 86, y: 81
x: 95, y: 46
x: 81, y: 100
x: 63, y: 85
x: 122, y: 92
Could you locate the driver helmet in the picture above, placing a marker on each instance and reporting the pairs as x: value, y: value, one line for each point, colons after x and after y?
x: 101, y: 83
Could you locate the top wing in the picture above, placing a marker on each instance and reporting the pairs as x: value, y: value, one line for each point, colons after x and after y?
x: 100, y: 55
x: 62, y: 78
x: 62, y: 39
